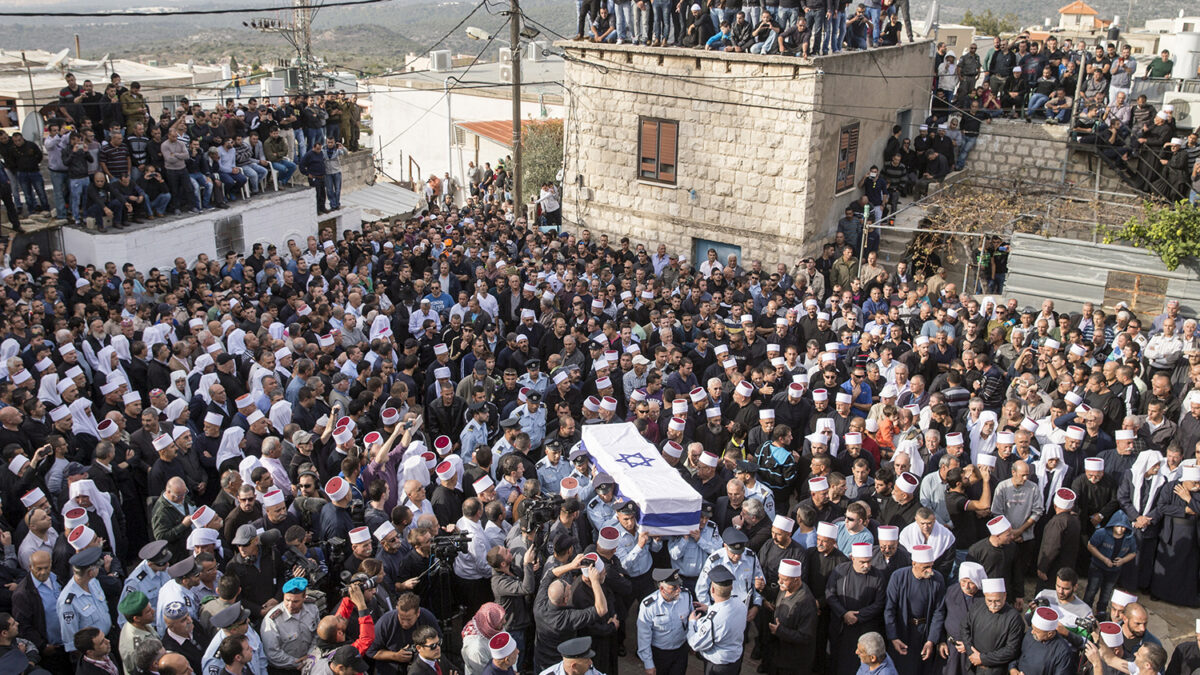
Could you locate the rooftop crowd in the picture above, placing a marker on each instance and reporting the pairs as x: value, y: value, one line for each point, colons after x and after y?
x: 363, y: 455
x: 110, y: 161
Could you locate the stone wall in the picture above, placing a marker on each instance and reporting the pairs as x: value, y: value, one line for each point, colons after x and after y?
x: 757, y: 141
x: 358, y: 170
x: 1032, y: 151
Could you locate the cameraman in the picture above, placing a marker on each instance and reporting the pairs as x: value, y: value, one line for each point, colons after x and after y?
x: 331, y: 632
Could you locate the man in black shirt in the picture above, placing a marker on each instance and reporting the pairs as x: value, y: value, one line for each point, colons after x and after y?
x: 969, y: 125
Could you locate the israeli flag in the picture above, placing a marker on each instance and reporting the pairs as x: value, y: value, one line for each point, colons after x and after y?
x: 669, y: 506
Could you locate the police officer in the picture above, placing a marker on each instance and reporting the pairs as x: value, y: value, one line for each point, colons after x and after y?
x: 289, y: 630
x: 552, y: 468
x: 601, y: 510
x: 149, y: 576
x: 475, y: 433
x: 531, y: 417
x: 581, y: 470
x: 509, y: 428
x: 662, y: 625
x: 576, y: 658
x: 533, y: 378
x: 185, y: 575
x: 82, y: 602
x: 690, y: 551
x: 716, y: 630
x: 747, y: 472
x: 742, y: 563
x: 635, y: 549
x: 235, y: 621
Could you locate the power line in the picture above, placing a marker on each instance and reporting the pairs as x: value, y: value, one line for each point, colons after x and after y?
x: 182, y: 12
x: 439, y: 41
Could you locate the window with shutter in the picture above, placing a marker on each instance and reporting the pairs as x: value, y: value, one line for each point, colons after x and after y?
x: 657, y: 146
x: 847, y: 157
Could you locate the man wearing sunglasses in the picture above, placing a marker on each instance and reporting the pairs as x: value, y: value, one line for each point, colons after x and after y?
x: 429, y: 659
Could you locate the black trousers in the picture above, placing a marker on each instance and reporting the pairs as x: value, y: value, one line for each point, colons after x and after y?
x: 319, y: 183
x: 734, y: 668
x: 180, y: 185
x: 10, y: 208
x: 670, y: 661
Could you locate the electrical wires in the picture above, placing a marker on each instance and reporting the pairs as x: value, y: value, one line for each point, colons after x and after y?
x: 182, y: 12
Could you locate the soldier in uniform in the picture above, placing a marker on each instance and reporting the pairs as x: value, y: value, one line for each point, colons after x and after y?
x: 551, y: 469
x: 690, y: 551
x: 475, y: 433
x: 601, y: 510
x: 185, y: 575
x: 635, y: 549
x: 138, y: 613
x: 581, y: 471
x: 149, y: 576
x: 716, y: 630
x: 234, y: 621
x: 531, y: 417
x: 662, y: 625
x: 576, y: 658
x: 82, y: 602
x: 289, y: 630
x: 743, y: 564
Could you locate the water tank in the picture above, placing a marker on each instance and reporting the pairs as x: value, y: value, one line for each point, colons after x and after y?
x: 1185, y: 52
x: 272, y: 86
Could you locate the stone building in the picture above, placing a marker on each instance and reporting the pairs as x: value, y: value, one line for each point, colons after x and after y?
x: 749, y: 154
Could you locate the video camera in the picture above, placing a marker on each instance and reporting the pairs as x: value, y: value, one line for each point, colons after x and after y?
x: 542, y: 509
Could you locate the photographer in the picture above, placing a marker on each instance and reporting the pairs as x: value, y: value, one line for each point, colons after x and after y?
x: 257, y: 569
x: 558, y: 620
x: 331, y: 632
x: 513, y: 589
x: 393, y: 647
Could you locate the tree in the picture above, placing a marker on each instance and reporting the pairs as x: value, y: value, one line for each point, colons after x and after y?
x: 542, y: 148
x: 1170, y: 230
x: 989, y: 23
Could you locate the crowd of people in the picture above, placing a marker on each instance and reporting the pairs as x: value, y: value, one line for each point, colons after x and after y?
x: 363, y: 454
x: 110, y: 161
x: 790, y: 27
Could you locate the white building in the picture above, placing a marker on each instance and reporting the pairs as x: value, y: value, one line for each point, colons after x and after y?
x: 418, y: 125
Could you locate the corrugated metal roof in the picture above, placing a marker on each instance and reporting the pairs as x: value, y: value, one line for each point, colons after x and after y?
x: 499, y: 131
x: 382, y: 200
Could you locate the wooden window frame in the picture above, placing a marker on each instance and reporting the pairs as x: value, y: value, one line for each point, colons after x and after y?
x: 847, y: 158
x: 650, y: 165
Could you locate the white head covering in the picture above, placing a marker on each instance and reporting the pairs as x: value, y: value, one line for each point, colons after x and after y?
x: 940, y: 539
x: 230, y: 447
x: 281, y: 414
x: 235, y: 342
x: 174, y: 390
x: 174, y: 409
x: 8, y: 349
x: 979, y: 443
x: 1055, y: 476
x: 973, y: 571
x: 101, y: 503
x: 48, y: 390
x: 1137, y: 474
x: 120, y: 345
x: 82, y: 421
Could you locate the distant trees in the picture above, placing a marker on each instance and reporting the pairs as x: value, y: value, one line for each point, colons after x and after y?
x: 542, y: 146
x: 990, y: 23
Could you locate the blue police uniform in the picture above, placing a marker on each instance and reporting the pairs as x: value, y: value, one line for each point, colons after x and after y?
x: 532, y: 423
x: 718, y: 635
x: 601, y: 513
x: 146, y: 580
x: 744, y: 571
x: 689, y: 555
x: 79, y: 608
x: 474, y: 434
x: 662, y: 632
x: 550, y: 475
x: 539, y: 386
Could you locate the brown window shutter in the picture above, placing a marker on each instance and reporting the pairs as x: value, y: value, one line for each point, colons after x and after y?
x: 667, y: 132
x: 648, y: 150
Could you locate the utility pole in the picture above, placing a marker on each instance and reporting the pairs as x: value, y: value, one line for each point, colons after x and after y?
x: 302, y: 20
x: 514, y: 27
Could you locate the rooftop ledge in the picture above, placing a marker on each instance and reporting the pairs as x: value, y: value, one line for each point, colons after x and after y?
x: 609, y: 51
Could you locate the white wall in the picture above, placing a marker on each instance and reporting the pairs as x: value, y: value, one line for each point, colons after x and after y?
x: 413, y: 123
x: 267, y: 220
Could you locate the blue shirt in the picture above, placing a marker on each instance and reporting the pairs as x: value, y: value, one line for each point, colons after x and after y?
x: 48, y: 591
x: 864, y: 396
x: 886, y: 667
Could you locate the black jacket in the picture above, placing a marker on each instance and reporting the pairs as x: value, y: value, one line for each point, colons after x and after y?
x: 28, y: 611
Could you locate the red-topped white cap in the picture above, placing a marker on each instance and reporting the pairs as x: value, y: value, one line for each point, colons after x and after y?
x: 1045, y: 618
x: 442, y: 444
x: 673, y: 449
x: 608, y: 403
x: 708, y: 459
x: 1111, y: 634
x: 501, y: 645
x: 784, y: 523
x: 390, y: 416
x: 1093, y: 464
x: 789, y: 567
x: 1121, y: 598
x: 204, y: 515
x: 445, y: 471
x: 818, y: 483
x: 32, y: 497
x: 907, y: 483
x: 744, y: 388
x: 676, y: 424
x: 608, y: 538
x: 273, y: 498
x: 697, y: 395
x: 861, y: 549
x: 827, y: 530
x: 994, y: 586
x: 337, y: 488
x: 343, y: 435
x: 359, y: 535
x: 888, y: 533
x: 568, y: 487
x: 1064, y: 498
x: 80, y: 537
x: 74, y: 518
x: 998, y: 525
x: 482, y: 484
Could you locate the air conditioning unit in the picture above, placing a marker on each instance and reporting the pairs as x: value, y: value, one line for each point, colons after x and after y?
x: 1187, y: 107
x: 505, y: 55
x: 537, y: 50
x: 439, y: 61
x: 506, y: 72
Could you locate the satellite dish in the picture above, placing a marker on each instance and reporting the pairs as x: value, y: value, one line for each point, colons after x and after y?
x: 58, y: 59
x: 477, y: 33
x: 31, y: 128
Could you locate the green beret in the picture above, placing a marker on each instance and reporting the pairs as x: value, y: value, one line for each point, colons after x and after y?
x: 133, y: 604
